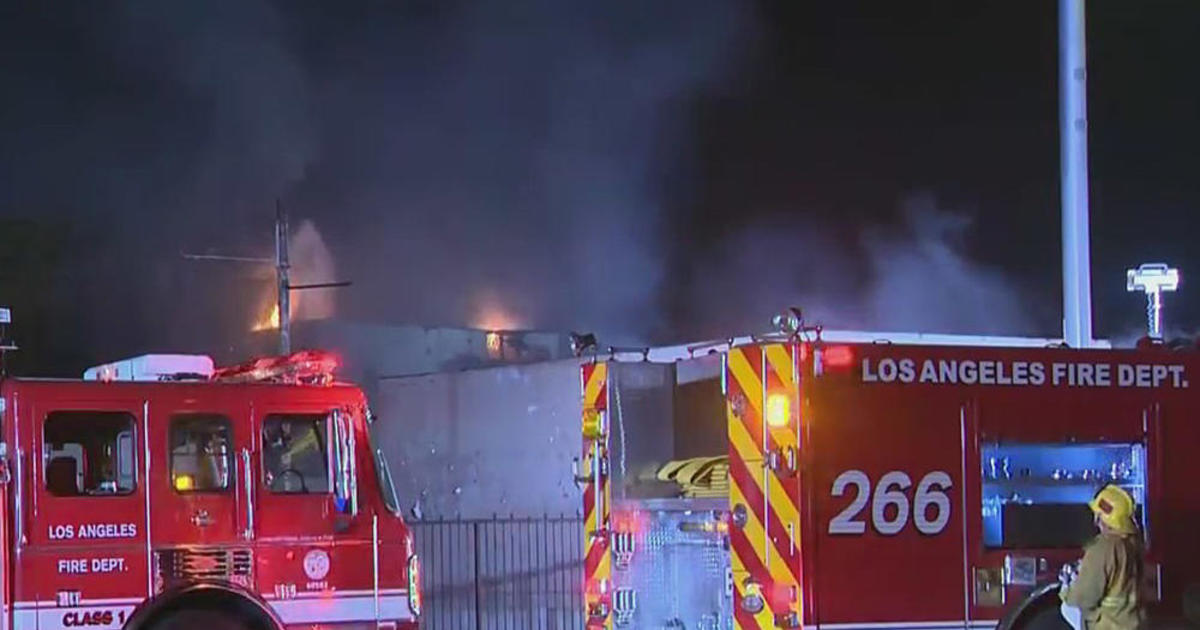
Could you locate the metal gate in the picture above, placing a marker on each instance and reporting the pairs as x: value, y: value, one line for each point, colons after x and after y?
x: 502, y: 574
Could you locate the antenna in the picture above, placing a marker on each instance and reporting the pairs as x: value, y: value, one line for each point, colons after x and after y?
x: 1153, y: 279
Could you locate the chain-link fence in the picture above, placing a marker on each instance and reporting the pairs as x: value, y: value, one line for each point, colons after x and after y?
x: 502, y: 574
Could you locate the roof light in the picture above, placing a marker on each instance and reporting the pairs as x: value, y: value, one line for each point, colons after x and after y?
x: 838, y: 356
x: 789, y: 322
x: 308, y: 367
x: 154, y: 367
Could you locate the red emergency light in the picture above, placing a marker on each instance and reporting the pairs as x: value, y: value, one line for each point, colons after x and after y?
x: 838, y: 356
x: 307, y: 367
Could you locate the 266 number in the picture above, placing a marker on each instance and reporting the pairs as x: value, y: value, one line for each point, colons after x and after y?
x: 891, y: 491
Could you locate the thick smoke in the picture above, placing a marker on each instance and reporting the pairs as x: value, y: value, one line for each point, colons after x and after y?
x: 507, y: 157
x: 310, y: 262
x: 460, y: 159
x: 917, y: 278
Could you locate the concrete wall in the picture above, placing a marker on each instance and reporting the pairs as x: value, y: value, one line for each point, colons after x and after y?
x: 478, y: 443
x: 371, y: 351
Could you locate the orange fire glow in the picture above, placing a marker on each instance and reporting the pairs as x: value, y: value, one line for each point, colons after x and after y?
x: 269, y: 321
x: 492, y: 315
x: 311, y: 262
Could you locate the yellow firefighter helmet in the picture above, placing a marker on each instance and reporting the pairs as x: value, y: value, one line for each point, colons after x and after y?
x: 1114, y: 507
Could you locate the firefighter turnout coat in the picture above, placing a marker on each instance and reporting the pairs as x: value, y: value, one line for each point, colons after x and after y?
x: 1107, y: 590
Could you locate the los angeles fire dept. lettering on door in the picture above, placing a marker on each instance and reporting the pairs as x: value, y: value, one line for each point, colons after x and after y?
x: 891, y: 492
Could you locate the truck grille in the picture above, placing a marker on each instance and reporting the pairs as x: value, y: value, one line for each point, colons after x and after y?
x: 191, y: 564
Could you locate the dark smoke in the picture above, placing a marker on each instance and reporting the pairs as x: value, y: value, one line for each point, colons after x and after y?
x: 453, y: 155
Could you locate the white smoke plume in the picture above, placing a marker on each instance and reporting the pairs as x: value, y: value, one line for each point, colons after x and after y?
x: 919, y: 278
x: 310, y: 262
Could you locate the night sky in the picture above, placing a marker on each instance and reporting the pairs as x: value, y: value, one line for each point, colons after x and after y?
x: 656, y: 172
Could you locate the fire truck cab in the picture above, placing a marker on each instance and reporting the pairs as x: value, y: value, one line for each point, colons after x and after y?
x: 159, y: 492
x: 855, y: 481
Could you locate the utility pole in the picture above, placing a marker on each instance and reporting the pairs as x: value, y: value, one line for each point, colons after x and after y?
x: 1077, y: 265
x: 283, y: 284
x: 282, y: 280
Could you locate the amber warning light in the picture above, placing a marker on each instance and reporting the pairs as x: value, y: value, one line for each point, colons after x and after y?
x: 778, y: 409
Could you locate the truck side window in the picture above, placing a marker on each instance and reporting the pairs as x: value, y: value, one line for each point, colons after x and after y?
x: 89, y: 453
x: 296, y: 453
x: 201, y: 453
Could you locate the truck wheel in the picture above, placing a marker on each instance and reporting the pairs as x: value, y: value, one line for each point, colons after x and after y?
x: 1045, y: 616
x: 203, y: 607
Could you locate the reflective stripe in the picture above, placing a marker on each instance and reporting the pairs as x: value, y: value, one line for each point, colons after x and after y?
x: 342, y: 609
x: 1114, y: 601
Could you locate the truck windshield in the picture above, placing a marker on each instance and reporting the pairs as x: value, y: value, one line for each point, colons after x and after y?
x: 383, y: 473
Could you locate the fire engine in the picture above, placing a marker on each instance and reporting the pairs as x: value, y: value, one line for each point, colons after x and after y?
x: 856, y: 481
x: 161, y: 492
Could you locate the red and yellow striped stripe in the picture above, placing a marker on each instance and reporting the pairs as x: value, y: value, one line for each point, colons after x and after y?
x: 766, y: 548
x: 597, y: 556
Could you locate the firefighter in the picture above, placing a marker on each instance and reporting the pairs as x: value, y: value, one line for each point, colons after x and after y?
x: 1106, y: 592
x: 291, y: 449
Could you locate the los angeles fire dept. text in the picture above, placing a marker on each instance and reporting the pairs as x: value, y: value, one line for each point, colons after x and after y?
x: 1022, y: 373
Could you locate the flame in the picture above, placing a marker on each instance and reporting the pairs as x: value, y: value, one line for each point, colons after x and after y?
x: 495, y: 344
x: 311, y: 262
x: 269, y: 321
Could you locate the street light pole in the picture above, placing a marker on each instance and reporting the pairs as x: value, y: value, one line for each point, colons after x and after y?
x: 1077, y: 275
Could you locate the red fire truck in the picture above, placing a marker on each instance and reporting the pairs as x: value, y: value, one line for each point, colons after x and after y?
x: 161, y: 493
x: 854, y: 481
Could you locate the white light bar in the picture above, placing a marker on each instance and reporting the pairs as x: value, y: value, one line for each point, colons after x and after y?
x: 153, y: 367
x: 1153, y: 279
x: 5, y: 315
x: 671, y: 354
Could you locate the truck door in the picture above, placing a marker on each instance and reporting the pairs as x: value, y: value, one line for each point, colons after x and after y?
x: 87, y: 535
x: 200, y: 514
x: 314, y: 550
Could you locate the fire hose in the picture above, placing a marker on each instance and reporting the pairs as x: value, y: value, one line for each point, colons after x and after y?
x: 698, y: 477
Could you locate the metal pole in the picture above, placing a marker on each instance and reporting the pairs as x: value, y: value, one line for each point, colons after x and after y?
x: 1077, y: 283
x: 475, y: 573
x: 1154, y: 308
x: 281, y: 275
